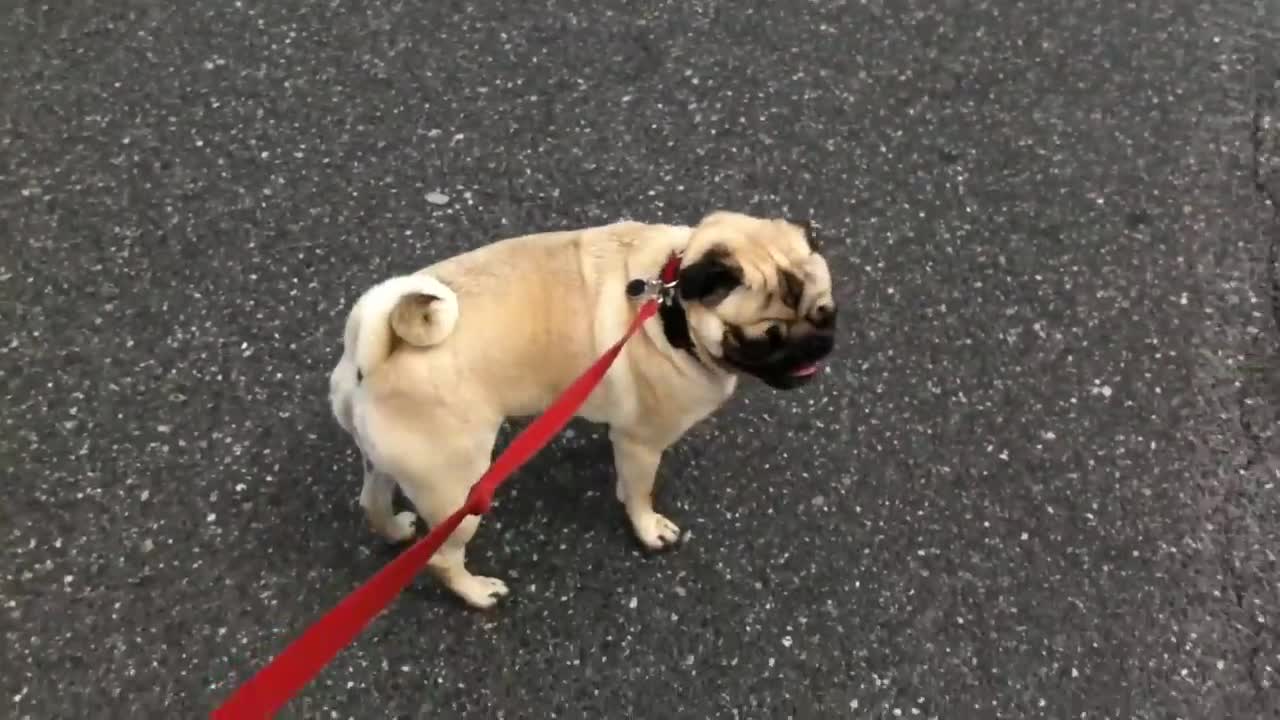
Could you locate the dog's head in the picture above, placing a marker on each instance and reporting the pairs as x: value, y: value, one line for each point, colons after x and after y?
x: 757, y: 295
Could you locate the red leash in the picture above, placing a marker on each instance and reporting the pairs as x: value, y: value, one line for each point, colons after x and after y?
x: 267, y: 691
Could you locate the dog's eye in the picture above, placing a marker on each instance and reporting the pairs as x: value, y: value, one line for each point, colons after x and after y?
x: 774, y: 334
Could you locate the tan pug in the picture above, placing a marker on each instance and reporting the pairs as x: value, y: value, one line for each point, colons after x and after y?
x: 433, y: 362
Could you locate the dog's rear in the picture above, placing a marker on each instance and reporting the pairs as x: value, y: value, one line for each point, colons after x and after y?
x: 417, y: 310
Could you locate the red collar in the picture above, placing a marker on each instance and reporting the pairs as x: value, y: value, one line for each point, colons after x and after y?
x: 671, y: 271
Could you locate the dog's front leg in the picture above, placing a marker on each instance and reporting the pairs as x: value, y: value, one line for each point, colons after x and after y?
x: 636, y: 463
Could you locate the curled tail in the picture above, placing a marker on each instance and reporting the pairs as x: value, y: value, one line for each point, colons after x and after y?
x: 418, y: 310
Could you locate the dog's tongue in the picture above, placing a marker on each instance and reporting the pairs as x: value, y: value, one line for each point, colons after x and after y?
x: 805, y: 370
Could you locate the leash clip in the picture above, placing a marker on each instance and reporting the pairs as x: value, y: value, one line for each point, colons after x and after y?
x: 662, y: 287
x: 667, y: 293
x: 639, y: 289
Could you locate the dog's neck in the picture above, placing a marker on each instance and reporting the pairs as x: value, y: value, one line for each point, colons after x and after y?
x: 675, y: 326
x: 672, y: 317
x: 675, y: 330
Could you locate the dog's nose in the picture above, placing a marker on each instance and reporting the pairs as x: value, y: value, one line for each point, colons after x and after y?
x: 823, y: 317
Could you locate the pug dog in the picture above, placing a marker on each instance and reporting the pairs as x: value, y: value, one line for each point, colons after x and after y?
x: 434, y: 362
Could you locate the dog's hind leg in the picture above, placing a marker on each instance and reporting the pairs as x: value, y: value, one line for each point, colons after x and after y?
x: 449, y: 565
x: 379, y: 487
x: 437, y: 477
x: 375, y: 498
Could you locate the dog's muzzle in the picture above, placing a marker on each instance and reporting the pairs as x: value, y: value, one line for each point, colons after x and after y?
x: 783, y: 366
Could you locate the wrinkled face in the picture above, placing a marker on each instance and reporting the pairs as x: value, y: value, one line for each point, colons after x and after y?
x: 758, y: 298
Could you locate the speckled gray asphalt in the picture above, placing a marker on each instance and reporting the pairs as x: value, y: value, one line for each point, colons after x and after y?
x: 1038, y: 480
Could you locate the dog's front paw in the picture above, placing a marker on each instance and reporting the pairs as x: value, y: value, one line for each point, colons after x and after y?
x: 654, y: 531
x: 479, y: 592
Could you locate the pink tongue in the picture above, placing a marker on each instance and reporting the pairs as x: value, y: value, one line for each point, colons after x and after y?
x: 805, y: 371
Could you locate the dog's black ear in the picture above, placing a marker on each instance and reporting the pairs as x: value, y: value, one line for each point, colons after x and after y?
x: 711, y: 278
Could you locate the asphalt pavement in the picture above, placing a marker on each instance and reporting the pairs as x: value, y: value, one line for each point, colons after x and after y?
x: 1038, y: 480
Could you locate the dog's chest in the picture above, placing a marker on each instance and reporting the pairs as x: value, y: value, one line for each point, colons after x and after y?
x: 683, y: 405
x: 695, y: 412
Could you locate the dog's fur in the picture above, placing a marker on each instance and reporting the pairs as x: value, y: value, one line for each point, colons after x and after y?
x: 433, y: 362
